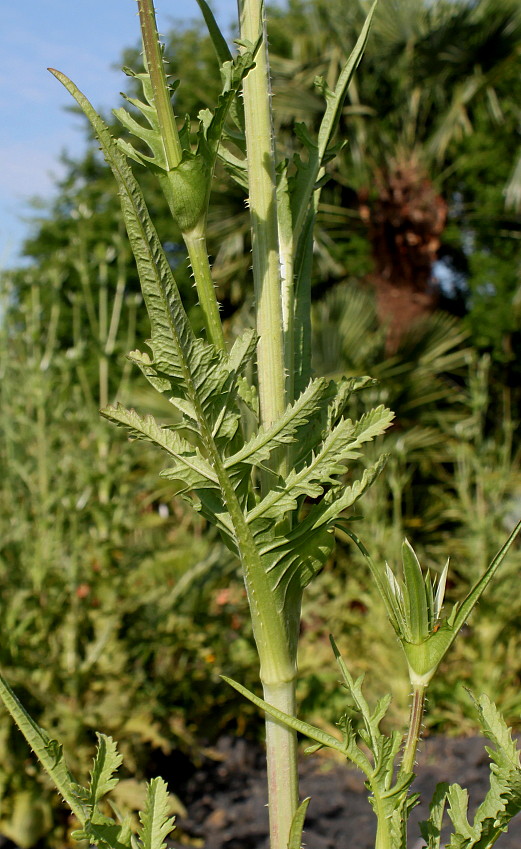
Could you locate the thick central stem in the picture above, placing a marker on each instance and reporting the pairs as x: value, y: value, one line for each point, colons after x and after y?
x: 279, y: 689
x: 281, y: 757
x: 263, y: 209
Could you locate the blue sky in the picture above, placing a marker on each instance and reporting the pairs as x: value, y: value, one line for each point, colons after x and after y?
x: 84, y: 39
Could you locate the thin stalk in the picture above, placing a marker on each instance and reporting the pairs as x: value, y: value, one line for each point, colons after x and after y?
x: 277, y: 660
x: 119, y: 295
x: 82, y: 267
x: 132, y: 306
x: 301, y: 365
x: 263, y: 207
x: 156, y: 69
x: 287, y: 274
x: 195, y: 242
x: 194, y: 239
x: 52, y: 328
x: 289, y: 331
x: 415, y: 725
x: 277, y: 663
x: 103, y: 364
x: 115, y: 315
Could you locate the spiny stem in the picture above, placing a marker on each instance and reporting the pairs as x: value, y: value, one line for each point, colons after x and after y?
x: 195, y: 239
x: 156, y: 68
x: 195, y: 242
x: 415, y: 724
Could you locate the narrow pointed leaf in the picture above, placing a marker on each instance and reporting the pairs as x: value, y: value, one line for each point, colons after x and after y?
x: 173, y: 338
x: 382, y: 582
x: 224, y: 55
x: 291, y: 721
x: 478, y: 589
x: 335, y: 100
x: 440, y: 590
x: 345, y: 389
x: 218, y: 40
x: 297, y: 825
x: 309, y: 173
x: 355, y: 689
x: 242, y: 351
x: 396, y: 605
x: 323, y: 468
x: 414, y: 595
x: 48, y: 752
x: 343, y: 497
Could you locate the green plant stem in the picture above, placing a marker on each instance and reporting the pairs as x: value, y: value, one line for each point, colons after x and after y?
x: 263, y: 206
x: 281, y: 757
x: 117, y: 305
x: 414, y: 731
x: 280, y: 740
x: 383, y: 838
x: 156, y: 69
x: 195, y: 241
x: 287, y: 274
x: 277, y: 665
x: 103, y: 363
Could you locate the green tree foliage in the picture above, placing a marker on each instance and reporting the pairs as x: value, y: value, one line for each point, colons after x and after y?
x: 433, y: 120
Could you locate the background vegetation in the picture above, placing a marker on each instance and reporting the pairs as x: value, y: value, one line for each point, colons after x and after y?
x: 119, y: 608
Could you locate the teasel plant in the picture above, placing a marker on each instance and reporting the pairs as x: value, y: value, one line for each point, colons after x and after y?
x: 414, y: 605
x: 271, y: 462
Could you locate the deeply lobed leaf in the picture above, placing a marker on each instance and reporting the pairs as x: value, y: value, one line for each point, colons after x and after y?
x: 156, y: 824
x: 107, y: 760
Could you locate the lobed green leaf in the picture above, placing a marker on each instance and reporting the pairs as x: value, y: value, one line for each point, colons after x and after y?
x: 190, y: 468
x: 156, y: 824
x: 102, y: 779
x: 324, y: 467
x: 431, y: 829
x: 174, y: 344
x: 296, y: 416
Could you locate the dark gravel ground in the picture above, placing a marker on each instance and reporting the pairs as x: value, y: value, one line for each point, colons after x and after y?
x: 226, y: 798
